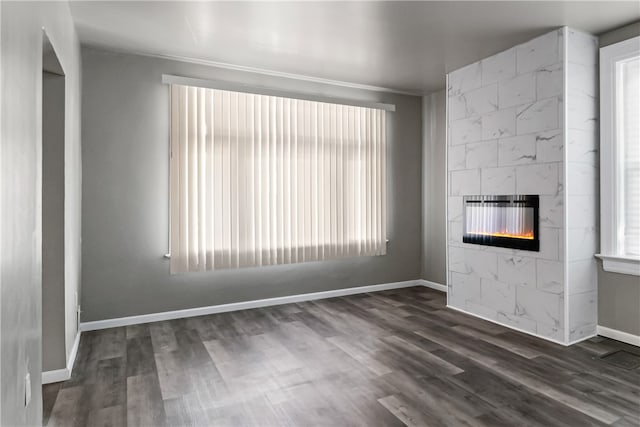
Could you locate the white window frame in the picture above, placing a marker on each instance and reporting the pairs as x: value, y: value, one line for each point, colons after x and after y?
x: 611, y: 254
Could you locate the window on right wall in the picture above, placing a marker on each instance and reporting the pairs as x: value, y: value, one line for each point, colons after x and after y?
x: 620, y: 156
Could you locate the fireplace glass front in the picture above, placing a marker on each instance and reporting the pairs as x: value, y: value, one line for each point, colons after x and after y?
x: 504, y: 221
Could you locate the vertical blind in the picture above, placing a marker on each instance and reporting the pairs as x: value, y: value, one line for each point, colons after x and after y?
x: 629, y: 137
x: 261, y: 180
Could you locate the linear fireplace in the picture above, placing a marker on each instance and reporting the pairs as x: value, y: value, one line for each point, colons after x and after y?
x: 504, y: 221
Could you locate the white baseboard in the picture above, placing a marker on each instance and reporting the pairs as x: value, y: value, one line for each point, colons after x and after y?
x: 74, y: 352
x: 619, y: 335
x: 64, y: 374
x: 507, y: 326
x: 433, y: 285
x: 201, y: 311
x: 55, y: 376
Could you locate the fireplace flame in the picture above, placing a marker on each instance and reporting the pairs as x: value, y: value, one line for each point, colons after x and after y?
x: 527, y: 235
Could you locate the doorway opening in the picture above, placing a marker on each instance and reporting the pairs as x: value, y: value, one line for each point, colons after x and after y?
x: 53, y: 213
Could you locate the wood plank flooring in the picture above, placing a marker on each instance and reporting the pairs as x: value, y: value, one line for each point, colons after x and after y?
x: 381, y: 359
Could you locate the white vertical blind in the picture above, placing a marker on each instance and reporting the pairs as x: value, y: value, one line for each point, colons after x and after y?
x: 263, y: 180
x: 629, y: 139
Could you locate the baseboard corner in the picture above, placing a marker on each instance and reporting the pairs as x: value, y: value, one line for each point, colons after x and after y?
x: 433, y: 285
x: 63, y: 374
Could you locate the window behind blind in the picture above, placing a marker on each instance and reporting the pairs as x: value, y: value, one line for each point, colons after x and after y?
x: 629, y: 139
x: 261, y: 180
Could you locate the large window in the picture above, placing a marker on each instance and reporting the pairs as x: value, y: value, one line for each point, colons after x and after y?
x: 620, y: 151
x: 262, y: 180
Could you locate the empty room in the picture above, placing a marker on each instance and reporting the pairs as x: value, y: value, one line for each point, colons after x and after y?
x: 319, y: 213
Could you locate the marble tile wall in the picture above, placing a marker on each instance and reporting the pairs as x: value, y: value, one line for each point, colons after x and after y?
x: 582, y: 183
x: 506, y: 137
x: 507, y: 127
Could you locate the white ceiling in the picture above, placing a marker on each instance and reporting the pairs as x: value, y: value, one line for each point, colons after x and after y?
x: 405, y: 46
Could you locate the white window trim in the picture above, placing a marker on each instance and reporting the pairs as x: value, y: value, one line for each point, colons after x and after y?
x: 620, y: 264
x: 612, y: 260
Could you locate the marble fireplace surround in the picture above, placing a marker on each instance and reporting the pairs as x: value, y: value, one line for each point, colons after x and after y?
x: 524, y: 121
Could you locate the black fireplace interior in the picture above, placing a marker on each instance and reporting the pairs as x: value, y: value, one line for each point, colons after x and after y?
x: 504, y: 221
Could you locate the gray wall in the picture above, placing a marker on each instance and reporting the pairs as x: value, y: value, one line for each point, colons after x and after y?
x: 620, y: 34
x: 20, y: 195
x: 53, y: 329
x: 619, y: 294
x: 619, y: 301
x: 125, y: 196
x: 434, y: 170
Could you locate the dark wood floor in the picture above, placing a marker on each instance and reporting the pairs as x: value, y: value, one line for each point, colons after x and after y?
x: 387, y: 358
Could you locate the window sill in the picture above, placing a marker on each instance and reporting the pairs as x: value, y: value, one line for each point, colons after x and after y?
x: 620, y: 264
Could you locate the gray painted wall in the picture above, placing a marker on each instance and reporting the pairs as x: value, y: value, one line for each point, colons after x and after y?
x: 619, y: 301
x: 434, y: 170
x: 620, y: 34
x: 125, y: 196
x: 20, y: 194
x: 619, y: 294
x: 53, y: 331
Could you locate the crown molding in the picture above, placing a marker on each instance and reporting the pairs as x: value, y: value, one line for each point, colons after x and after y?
x: 257, y: 70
